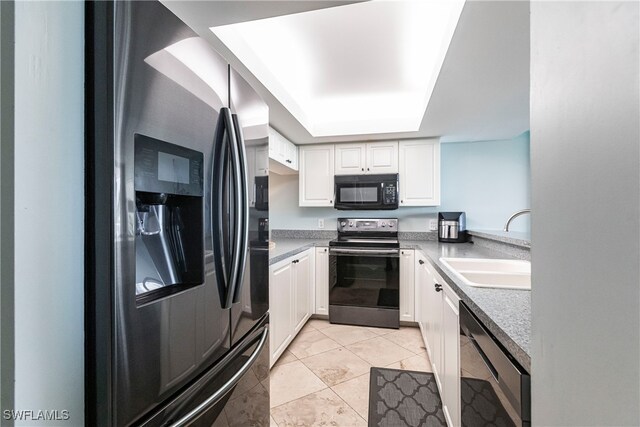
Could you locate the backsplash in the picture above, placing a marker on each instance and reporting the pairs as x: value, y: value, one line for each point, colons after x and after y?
x: 304, y: 234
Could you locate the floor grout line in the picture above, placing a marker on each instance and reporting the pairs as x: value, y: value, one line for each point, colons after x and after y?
x: 310, y: 328
x: 347, y: 403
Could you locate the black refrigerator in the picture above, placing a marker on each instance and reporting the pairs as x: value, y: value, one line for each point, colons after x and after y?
x: 176, y: 272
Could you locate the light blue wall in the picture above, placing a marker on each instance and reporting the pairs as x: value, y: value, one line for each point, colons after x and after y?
x: 488, y: 180
x: 49, y: 210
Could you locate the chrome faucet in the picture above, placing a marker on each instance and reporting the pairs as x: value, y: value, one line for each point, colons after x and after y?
x: 514, y: 216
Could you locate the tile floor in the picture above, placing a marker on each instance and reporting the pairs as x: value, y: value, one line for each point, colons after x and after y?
x: 323, y: 377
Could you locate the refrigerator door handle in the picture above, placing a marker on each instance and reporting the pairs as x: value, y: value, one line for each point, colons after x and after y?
x: 219, y: 164
x: 244, y: 237
x: 238, y: 170
x: 226, y: 388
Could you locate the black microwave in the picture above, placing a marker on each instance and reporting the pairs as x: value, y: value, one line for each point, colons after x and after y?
x: 366, y: 192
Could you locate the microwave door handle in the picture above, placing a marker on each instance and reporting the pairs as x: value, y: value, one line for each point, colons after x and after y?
x: 218, y: 165
x: 244, y: 204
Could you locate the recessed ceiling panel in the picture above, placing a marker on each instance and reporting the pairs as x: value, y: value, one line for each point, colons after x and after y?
x: 364, y: 68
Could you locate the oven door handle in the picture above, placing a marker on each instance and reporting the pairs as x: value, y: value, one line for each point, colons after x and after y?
x: 342, y: 251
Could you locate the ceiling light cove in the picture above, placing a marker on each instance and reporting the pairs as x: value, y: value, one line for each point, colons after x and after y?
x: 364, y: 68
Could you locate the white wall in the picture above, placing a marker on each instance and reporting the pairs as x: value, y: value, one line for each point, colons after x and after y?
x: 585, y: 165
x: 489, y: 180
x: 49, y: 205
x: 6, y: 203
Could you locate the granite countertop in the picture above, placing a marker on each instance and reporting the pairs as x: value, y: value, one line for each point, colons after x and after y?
x: 286, y: 247
x: 505, y: 312
x: 517, y: 238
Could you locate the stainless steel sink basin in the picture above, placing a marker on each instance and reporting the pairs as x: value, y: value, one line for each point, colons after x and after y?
x: 491, y: 273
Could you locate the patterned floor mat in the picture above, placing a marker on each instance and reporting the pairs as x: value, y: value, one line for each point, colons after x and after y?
x: 404, y: 398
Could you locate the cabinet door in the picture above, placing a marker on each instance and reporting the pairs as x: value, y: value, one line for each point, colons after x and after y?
x: 419, y: 172
x: 382, y: 157
x: 302, y: 290
x: 280, y: 308
x: 322, y: 281
x: 407, y: 285
x: 451, y: 358
x: 433, y: 321
x: 261, y: 161
x: 281, y: 149
x: 292, y: 156
x: 316, y: 175
x: 350, y: 159
x: 421, y: 281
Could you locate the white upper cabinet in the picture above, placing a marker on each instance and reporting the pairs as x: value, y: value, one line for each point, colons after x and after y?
x: 283, y: 154
x: 262, y: 161
x: 292, y: 156
x: 382, y: 157
x: 316, y: 175
x: 350, y: 159
x: 367, y: 158
x: 419, y: 172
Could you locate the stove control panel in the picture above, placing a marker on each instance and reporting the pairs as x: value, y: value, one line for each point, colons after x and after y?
x: 367, y: 224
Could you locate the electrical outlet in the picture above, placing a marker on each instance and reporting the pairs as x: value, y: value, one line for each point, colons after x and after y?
x: 433, y: 225
x: 320, y: 223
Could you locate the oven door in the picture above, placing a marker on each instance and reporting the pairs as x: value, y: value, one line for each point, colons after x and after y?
x: 364, y: 286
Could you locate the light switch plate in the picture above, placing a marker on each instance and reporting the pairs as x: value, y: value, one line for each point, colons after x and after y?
x: 433, y: 225
x: 320, y: 223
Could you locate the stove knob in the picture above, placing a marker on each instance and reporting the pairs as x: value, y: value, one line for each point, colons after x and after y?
x: 342, y: 224
x: 384, y: 224
x: 350, y: 223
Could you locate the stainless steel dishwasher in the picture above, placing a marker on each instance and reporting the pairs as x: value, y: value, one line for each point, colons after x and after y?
x: 494, y: 389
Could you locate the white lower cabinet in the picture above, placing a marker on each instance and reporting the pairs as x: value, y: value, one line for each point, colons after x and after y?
x: 438, y: 317
x: 451, y: 358
x: 302, y: 289
x: 291, y: 283
x: 407, y: 285
x: 280, y: 307
x: 322, y: 281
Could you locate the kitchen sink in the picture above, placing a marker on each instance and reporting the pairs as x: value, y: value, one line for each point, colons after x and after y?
x: 491, y: 273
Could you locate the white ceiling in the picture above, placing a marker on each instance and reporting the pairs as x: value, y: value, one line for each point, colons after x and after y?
x: 481, y: 92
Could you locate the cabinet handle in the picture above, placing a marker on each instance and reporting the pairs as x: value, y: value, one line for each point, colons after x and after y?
x: 401, y: 201
x: 362, y: 169
x: 367, y: 169
x: 438, y: 287
x: 325, y: 249
x: 420, y: 261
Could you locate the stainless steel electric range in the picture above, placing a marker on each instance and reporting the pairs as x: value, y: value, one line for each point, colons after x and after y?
x: 364, y: 273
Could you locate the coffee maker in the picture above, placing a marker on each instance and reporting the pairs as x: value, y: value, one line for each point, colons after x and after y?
x: 452, y: 227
